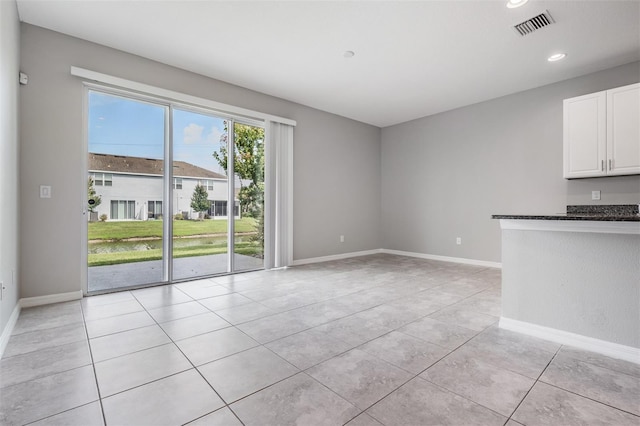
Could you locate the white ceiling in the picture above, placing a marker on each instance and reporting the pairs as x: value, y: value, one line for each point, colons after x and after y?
x: 412, y: 58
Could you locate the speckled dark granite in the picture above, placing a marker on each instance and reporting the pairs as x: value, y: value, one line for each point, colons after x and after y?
x: 611, y: 213
x: 610, y: 210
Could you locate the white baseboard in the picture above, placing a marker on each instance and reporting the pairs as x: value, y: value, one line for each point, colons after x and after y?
x: 603, y: 347
x: 29, y: 302
x: 335, y: 257
x: 444, y: 258
x: 399, y: 253
x: 8, y: 329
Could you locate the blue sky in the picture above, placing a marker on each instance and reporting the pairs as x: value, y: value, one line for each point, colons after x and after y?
x: 122, y: 126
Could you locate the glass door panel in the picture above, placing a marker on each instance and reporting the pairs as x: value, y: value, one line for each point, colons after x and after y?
x: 248, y: 251
x: 200, y: 190
x: 126, y: 140
x: 161, y: 205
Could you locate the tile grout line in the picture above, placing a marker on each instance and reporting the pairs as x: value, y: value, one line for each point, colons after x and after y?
x: 46, y: 347
x: 368, y: 309
x: 465, y: 398
x: 414, y: 376
x: 93, y: 364
x: 190, y: 362
x: 263, y: 345
x: 417, y: 376
x: 337, y: 394
x: 184, y: 355
x: 534, y: 383
x: 364, y: 343
x: 85, y: 339
x: 439, y: 360
x: 591, y: 399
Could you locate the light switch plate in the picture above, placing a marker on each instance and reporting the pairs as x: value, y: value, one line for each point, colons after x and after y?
x: 595, y: 195
x: 45, y: 191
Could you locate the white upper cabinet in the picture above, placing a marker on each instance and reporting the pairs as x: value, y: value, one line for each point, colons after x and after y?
x: 585, y: 135
x: 623, y: 130
x: 602, y: 133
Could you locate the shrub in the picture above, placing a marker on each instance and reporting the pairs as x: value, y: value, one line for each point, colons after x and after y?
x: 103, y: 217
x: 206, y: 216
x: 178, y: 216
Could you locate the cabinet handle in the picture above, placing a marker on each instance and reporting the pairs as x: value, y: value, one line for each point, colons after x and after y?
x: 602, y: 164
x: 610, y: 165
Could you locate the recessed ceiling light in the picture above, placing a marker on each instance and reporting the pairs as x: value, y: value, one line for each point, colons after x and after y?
x: 556, y: 57
x: 512, y: 4
x: 348, y: 54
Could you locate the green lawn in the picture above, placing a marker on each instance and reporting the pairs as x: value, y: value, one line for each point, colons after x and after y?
x: 246, y: 248
x: 153, y: 228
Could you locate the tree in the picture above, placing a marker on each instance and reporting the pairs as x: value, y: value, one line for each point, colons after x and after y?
x: 91, y: 195
x: 248, y: 165
x: 200, y: 200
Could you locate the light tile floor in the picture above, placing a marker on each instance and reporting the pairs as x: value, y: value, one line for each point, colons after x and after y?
x: 375, y: 340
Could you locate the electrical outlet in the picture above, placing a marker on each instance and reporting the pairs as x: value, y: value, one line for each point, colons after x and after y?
x: 458, y: 240
x: 595, y: 195
x: 45, y: 191
x: 342, y: 238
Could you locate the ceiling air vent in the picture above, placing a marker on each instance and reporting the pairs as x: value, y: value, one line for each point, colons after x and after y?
x: 535, y: 23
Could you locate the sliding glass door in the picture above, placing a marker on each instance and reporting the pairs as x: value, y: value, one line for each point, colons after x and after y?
x: 164, y: 201
x: 125, y: 191
x: 200, y: 190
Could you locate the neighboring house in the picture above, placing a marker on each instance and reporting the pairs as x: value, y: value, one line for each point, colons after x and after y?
x: 131, y: 188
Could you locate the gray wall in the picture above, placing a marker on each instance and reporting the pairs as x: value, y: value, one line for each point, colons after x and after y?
x: 443, y: 176
x: 9, y: 68
x: 336, y: 160
x: 412, y: 187
x: 581, y: 282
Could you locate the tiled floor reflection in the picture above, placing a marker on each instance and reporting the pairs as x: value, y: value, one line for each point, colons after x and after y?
x: 374, y: 340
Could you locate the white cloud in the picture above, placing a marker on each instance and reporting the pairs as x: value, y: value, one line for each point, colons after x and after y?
x: 214, y: 135
x: 192, y: 133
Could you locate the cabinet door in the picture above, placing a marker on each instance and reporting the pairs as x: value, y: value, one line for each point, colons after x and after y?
x: 584, y: 137
x: 623, y: 130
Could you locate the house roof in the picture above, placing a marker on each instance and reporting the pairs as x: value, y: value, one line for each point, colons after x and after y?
x: 148, y: 166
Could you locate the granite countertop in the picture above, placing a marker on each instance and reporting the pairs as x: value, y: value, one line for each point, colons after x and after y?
x: 611, y: 213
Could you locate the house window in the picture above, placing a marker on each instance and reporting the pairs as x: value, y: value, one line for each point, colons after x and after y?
x: 177, y: 183
x: 154, y: 209
x: 219, y: 208
x: 102, y: 179
x: 207, y: 183
x: 123, y: 209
